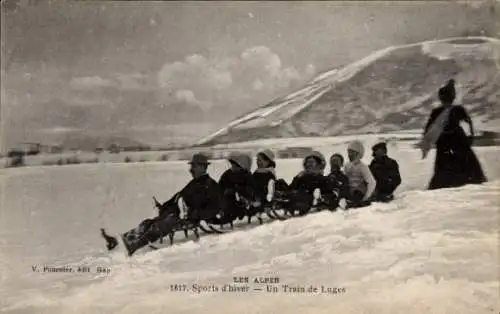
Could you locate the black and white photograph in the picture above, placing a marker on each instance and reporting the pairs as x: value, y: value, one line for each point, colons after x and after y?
x: 250, y: 157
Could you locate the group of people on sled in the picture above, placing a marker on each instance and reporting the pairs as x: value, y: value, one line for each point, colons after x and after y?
x: 239, y: 193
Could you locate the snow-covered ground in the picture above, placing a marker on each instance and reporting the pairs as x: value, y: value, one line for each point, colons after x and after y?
x: 329, y: 143
x: 426, y: 252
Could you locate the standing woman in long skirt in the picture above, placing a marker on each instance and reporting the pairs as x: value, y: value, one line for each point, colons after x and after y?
x: 456, y: 163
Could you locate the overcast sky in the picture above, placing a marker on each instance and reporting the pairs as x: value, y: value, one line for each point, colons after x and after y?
x: 156, y: 70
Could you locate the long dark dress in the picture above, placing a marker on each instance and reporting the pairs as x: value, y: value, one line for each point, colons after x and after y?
x: 456, y: 163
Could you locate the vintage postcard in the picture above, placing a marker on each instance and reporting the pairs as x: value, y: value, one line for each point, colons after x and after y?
x: 250, y: 157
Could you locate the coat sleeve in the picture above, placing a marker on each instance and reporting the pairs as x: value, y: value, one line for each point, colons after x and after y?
x: 223, y: 182
x: 394, y: 174
x: 431, y: 119
x: 370, y: 182
x: 250, y: 188
x: 345, y: 187
x: 461, y: 113
x: 295, y: 183
x: 214, y: 195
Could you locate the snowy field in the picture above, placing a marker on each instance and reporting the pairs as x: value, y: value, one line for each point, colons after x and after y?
x: 426, y: 252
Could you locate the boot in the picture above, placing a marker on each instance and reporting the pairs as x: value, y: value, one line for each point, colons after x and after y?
x: 111, y: 242
x: 135, y: 245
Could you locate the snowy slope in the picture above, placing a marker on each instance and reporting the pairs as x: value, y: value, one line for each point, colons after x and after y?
x: 427, y: 252
x: 389, y: 90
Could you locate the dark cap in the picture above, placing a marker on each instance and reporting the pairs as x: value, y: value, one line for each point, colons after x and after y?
x: 199, y: 159
x: 380, y: 145
x: 339, y: 156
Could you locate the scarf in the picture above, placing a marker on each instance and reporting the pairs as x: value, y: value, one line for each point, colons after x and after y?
x: 434, y: 132
x: 314, y: 171
x: 266, y: 170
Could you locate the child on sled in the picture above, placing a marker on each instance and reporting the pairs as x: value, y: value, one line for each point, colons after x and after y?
x: 385, y: 170
x: 264, y: 178
x: 337, y: 182
x: 361, y: 181
x: 301, y: 191
x: 237, y: 187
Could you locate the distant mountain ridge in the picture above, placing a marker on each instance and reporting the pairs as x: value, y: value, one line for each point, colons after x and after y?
x: 91, y: 143
x: 390, y: 90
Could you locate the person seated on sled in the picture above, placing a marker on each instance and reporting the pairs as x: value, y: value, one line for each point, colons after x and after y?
x: 201, y: 197
x: 264, y: 176
x: 338, y: 183
x: 361, y: 181
x: 386, y: 173
x: 304, y: 185
x: 237, y: 188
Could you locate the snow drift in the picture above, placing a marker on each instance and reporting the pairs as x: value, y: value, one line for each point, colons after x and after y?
x: 426, y: 252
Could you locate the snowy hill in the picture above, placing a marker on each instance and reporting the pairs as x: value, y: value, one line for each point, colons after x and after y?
x: 426, y: 252
x: 390, y: 90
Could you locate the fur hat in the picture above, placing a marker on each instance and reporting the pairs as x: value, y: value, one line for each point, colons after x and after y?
x: 358, y: 147
x: 318, y: 156
x: 339, y: 156
x: 242, y: 160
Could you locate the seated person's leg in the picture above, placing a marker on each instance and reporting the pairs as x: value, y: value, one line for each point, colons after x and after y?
x: 356, y: 200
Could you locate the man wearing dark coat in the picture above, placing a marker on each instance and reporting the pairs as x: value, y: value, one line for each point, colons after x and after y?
x: 201, y: 196
x: 385, y: 170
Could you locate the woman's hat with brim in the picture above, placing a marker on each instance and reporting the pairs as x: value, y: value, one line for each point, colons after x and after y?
x: 269, y: 155
x: 241, y: 160
x: 318, y: 156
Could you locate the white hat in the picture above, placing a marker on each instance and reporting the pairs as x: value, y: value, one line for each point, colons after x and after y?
x: 357, y: 146
x: 268, y: 154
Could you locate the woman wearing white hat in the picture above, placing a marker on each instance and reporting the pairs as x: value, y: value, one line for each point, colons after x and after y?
x: 361, y: 181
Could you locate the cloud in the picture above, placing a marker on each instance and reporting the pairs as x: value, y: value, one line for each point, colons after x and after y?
x: 132, y: 81
x: 251, y: 78
x: 257, y: 85
x: 187, y: 97
x: 90, y: 82
x: 310, y: 70
x: 125, y: 81
x: 58, y: 130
